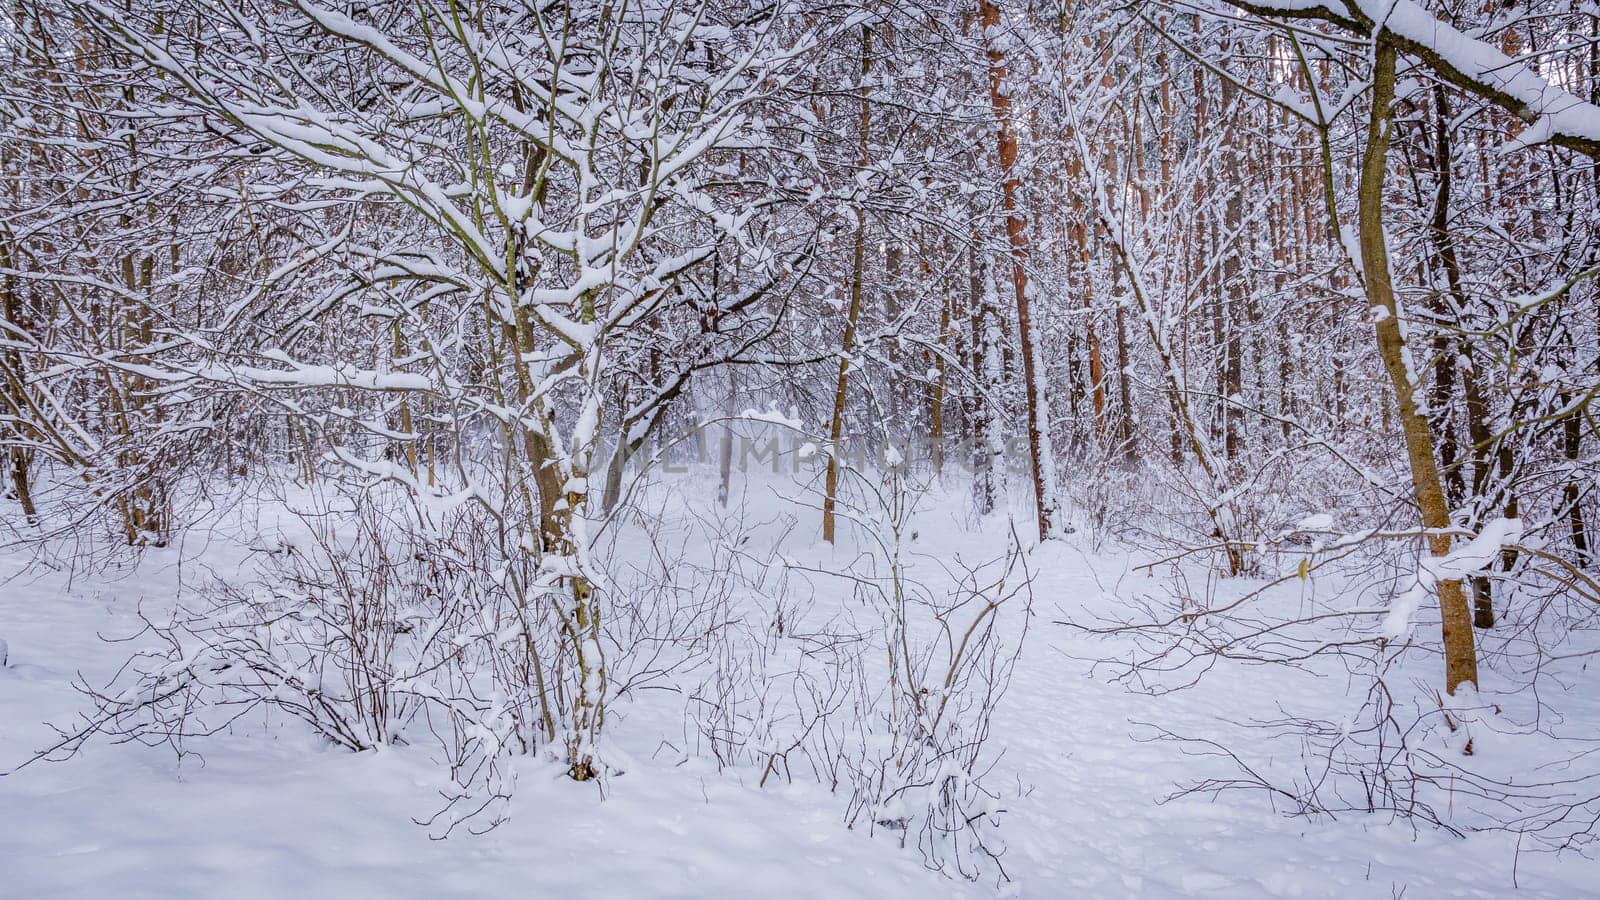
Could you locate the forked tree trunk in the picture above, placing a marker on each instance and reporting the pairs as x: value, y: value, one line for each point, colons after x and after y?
x: 1461, y: 660
x: 1185, y: 427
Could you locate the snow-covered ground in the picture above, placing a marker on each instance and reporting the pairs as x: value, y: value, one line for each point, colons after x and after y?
x: 265, y: 811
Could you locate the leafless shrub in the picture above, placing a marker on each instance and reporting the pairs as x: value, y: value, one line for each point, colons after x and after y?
x: 1498, y: 760
x: 889, y: 700
x: 377, y: 630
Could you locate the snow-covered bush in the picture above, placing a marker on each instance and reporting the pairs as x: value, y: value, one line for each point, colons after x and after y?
x: 888, y: 700
x: 381, y: 628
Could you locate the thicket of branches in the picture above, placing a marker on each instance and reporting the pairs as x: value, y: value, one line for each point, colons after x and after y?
x: 1268, y: 286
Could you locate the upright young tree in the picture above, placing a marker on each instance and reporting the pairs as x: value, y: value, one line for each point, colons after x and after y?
x: 1041, y: 454
x: 1460, y: 656
x: 557, y: 158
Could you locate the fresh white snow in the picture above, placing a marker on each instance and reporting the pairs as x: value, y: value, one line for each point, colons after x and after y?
x: 263, y: 810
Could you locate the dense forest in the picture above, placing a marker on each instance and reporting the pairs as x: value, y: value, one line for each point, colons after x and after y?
x: 779, y: 389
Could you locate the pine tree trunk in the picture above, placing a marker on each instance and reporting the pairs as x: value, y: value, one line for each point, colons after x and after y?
x: 1017, y: 235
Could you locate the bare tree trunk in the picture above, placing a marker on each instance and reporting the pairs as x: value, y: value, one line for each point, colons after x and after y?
x: 990, y: 327
x: 145, y: 504
x: 1016, y: 232
x: 1572, y: 495
x: 985, y: 366
x: 1232, y: 297
x: 14, y: 386
x: 1445, y: 369
x: 725, y: 456
x: 1125, y: 436
x: 937, y: 395
x: 852, y: 315
x: 1461, y: 661
x: 1481, y: 435
x: 1097, y: 367
x: 406, y: 421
